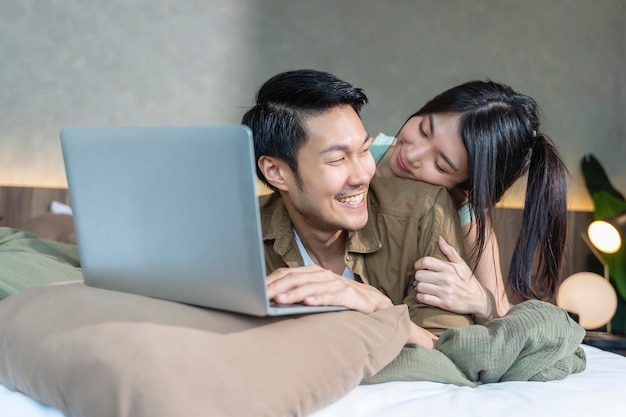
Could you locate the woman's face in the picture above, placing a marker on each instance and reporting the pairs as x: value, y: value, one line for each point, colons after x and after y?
x: 429, y: 148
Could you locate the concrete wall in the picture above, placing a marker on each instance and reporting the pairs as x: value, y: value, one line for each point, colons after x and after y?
x: 122, y: 62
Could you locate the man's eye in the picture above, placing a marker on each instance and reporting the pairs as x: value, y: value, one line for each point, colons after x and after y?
x: 336, y: 161
x: 438, y: 168
x: 366, y: 150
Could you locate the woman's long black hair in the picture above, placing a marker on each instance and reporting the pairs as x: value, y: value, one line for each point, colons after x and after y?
x: 500, y: 129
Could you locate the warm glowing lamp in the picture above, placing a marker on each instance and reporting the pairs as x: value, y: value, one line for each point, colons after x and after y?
x: 589, y: 296
x: 604, y: 236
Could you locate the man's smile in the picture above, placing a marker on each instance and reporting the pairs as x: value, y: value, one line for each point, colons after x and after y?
x: 353, y: 200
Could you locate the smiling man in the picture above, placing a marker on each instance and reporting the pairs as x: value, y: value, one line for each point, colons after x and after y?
x: 334, y: 233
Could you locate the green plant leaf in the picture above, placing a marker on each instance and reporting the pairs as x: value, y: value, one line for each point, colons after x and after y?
x: 596, y: 178
x: 606, y: 205
x: 608, y: 202
x: 617, y: 270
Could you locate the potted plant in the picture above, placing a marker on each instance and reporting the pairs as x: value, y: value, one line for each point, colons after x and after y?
x: 608, y: 202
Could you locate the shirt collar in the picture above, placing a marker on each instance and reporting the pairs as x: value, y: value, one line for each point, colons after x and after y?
x: 279, y: 229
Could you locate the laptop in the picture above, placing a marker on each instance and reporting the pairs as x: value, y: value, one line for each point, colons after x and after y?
x: 171, y: 213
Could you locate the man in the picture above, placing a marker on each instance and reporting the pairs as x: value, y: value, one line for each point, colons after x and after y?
x: 334, y: 233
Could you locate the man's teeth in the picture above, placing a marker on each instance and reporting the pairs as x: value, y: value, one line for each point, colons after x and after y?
x: 355, y: 199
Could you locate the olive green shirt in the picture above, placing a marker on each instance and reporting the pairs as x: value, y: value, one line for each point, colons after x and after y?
x: 406, y: 218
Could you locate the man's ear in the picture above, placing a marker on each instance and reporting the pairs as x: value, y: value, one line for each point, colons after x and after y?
x: 274, y: 170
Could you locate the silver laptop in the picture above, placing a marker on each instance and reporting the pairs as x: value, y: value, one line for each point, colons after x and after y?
x: 171, y: 213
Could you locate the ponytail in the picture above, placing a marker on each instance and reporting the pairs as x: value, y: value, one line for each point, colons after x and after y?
x: 541, y: 244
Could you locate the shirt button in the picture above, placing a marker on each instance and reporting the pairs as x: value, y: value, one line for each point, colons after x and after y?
x: 348, y: 257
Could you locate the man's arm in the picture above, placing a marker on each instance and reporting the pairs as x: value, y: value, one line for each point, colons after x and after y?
x: 441, y: 220
x: 314, y: 285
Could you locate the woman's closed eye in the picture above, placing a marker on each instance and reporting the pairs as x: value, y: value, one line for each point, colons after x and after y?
x: 421, y: 129
x: 439, y: 168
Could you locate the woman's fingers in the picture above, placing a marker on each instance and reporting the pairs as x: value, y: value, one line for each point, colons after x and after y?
x: 449, y: 251
x: 429, y: 263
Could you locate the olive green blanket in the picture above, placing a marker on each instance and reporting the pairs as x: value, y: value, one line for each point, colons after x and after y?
x: 27, y: 261
x: 535, y: 341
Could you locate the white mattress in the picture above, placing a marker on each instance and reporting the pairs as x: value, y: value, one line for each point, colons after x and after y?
x: 15, y: 404
x: 598, y: 391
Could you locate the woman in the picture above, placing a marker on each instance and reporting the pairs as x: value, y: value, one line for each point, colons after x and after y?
x: 477, y: 139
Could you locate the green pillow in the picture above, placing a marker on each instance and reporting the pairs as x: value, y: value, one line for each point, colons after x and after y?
x: 27, y: 261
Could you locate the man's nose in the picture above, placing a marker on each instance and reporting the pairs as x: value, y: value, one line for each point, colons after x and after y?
x: 362, y: 171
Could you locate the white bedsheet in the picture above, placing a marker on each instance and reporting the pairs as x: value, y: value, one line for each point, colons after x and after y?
x: 15, y: 404
x: 598, y: 391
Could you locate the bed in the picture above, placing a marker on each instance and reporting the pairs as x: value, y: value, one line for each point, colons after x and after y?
x: 70, y: 350
x: 599, y: 391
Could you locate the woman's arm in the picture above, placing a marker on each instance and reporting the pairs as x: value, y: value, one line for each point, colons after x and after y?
x: 422, y: 337
x: 451, y: 285
x: 488, y: 272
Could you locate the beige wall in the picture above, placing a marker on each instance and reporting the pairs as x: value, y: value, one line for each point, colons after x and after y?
x: 82, y: 62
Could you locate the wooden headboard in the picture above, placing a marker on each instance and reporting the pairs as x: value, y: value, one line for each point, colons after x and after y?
x: 507, y: 225
x: 18, y: 205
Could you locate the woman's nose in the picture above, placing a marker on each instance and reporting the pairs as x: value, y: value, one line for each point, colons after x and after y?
x: 415, y: 153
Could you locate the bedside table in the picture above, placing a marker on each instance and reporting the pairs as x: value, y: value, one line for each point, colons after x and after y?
x: 606, y: 341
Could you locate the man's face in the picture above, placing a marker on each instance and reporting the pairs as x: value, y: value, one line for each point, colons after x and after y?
x: 335, y: 167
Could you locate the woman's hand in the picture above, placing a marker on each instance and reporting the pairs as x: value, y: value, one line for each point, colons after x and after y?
x: 451, y: 285
x: 423, y: 337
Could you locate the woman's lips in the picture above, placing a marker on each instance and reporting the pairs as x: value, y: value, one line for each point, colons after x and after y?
x: 401, y: 162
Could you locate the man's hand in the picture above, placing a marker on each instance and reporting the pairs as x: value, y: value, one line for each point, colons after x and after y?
x: 316, y: 286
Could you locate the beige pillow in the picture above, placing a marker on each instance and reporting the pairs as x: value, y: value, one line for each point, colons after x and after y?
x: 92, y: 352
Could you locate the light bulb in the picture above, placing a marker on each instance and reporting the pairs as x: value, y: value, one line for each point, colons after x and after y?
x: 604, y: 236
